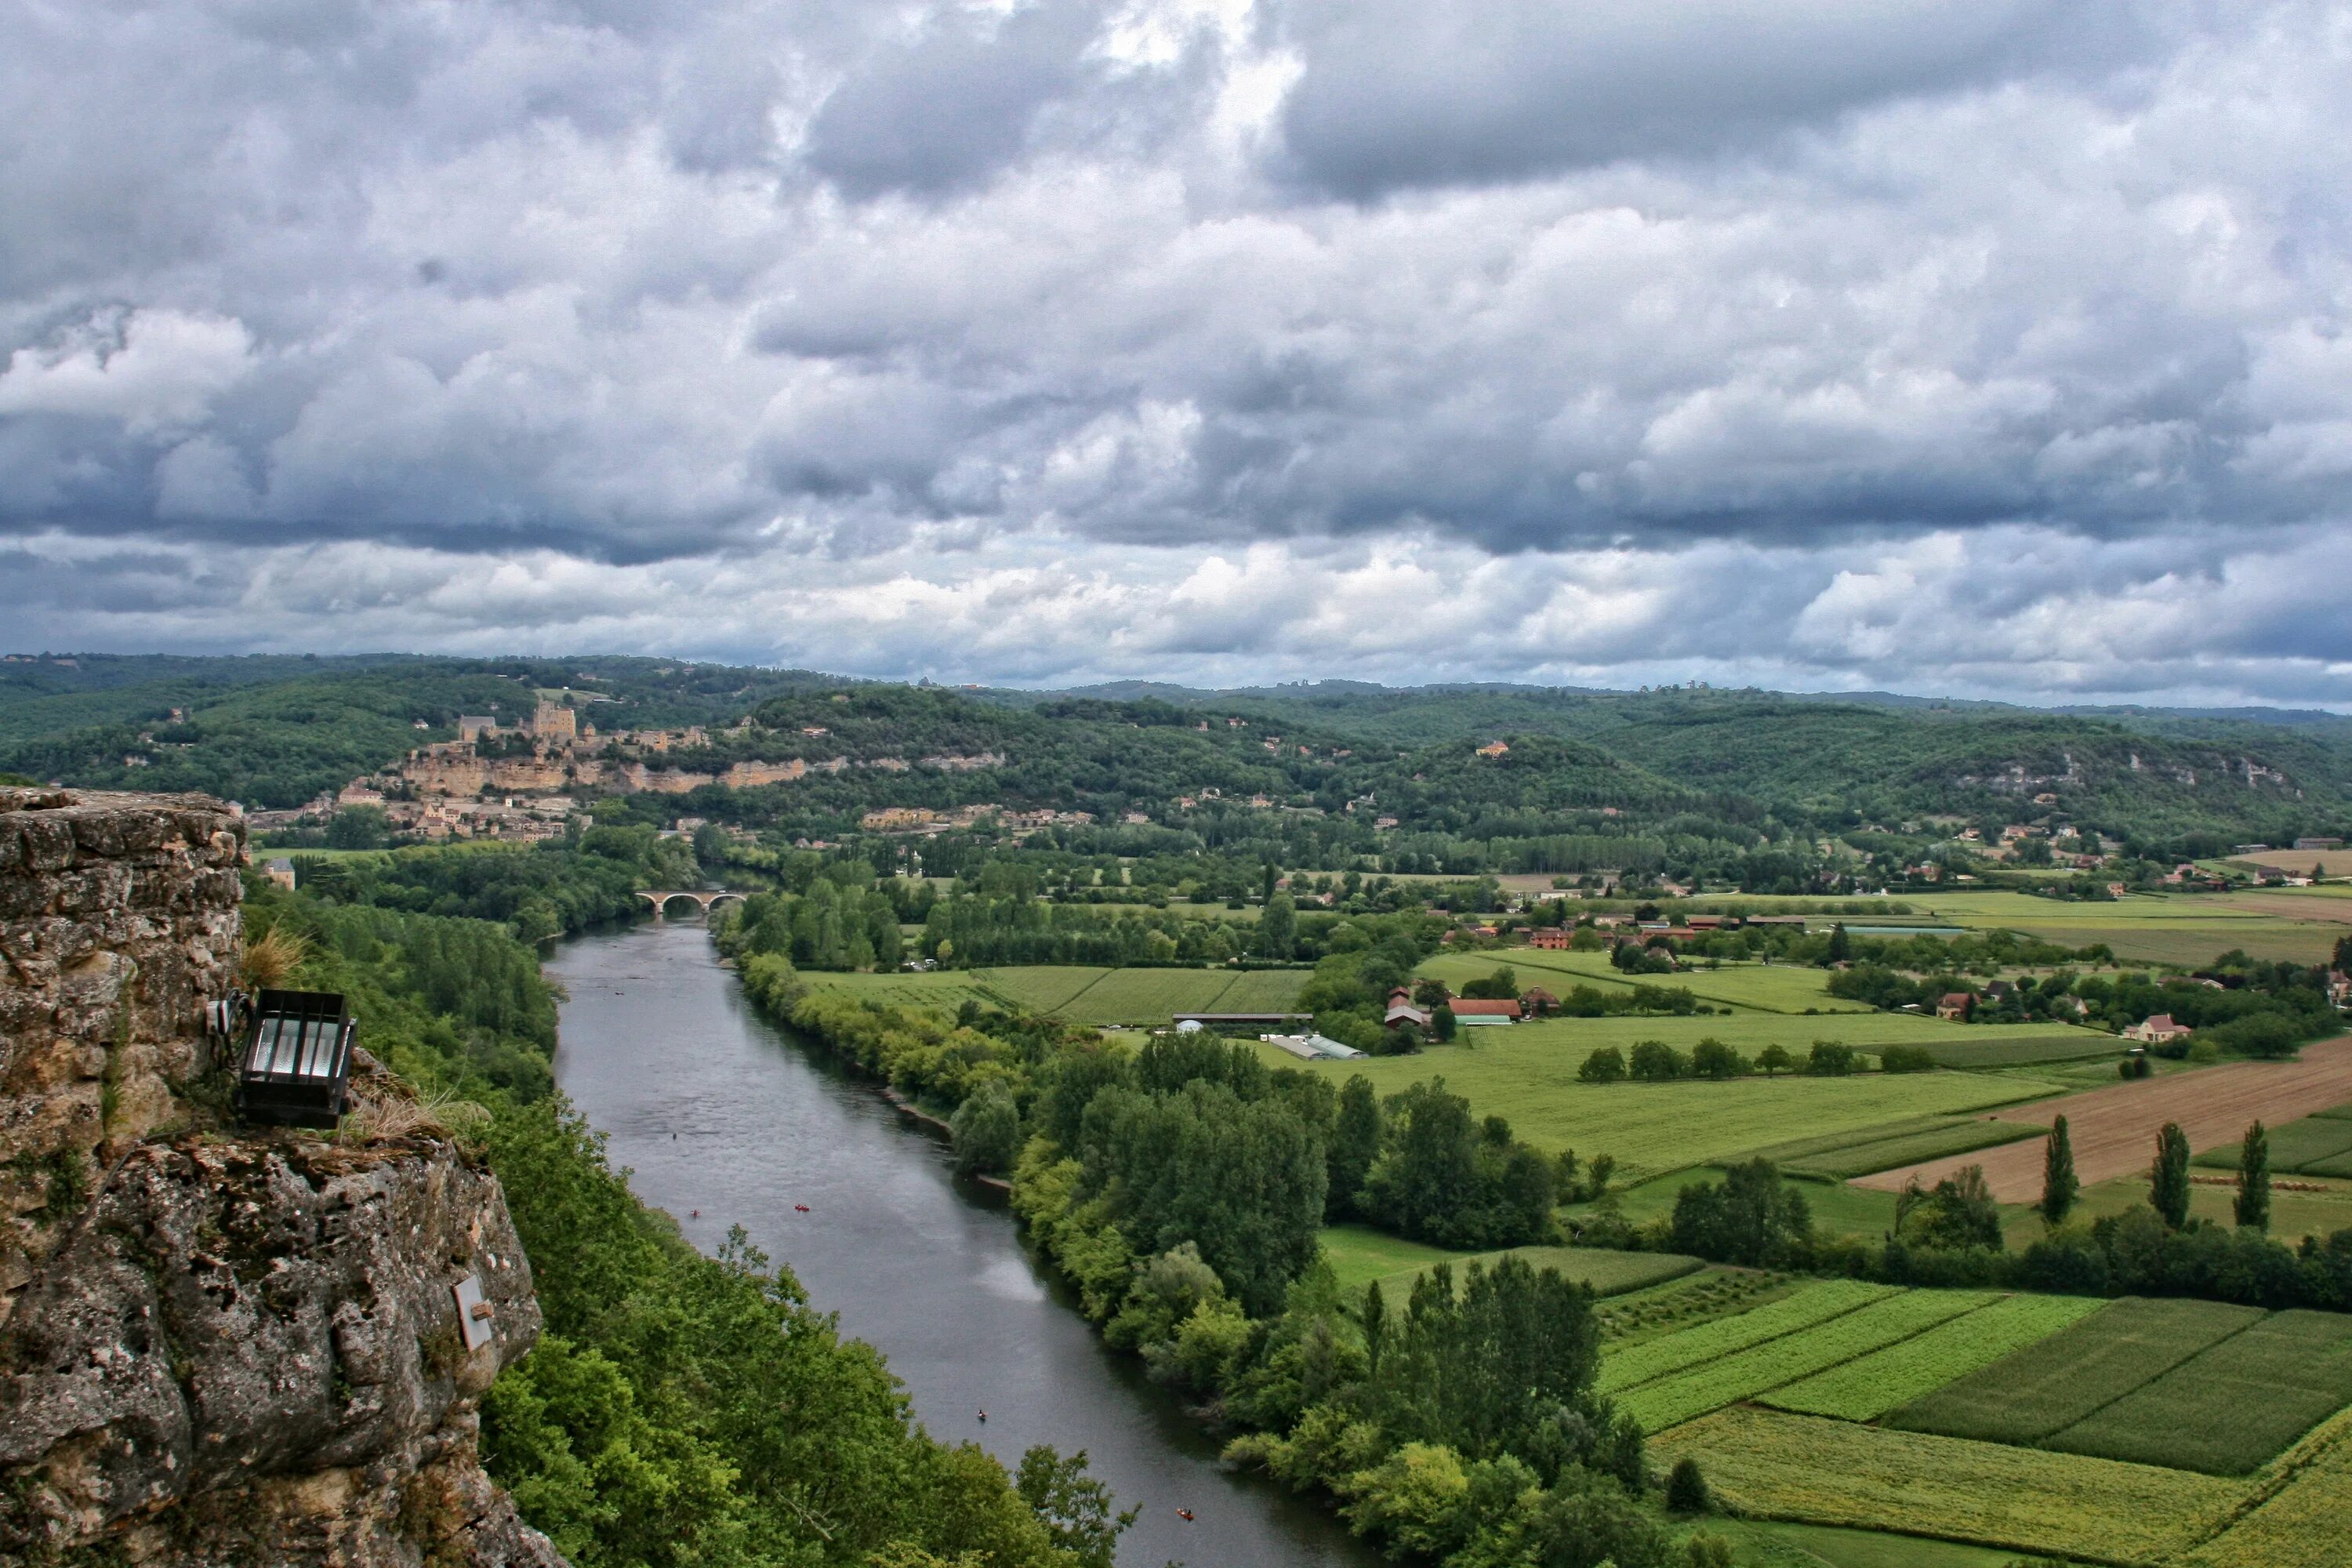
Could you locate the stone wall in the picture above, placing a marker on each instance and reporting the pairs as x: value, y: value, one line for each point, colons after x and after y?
x: 219, y: 1344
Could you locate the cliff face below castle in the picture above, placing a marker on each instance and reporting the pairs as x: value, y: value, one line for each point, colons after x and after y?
x: 218, y: 1344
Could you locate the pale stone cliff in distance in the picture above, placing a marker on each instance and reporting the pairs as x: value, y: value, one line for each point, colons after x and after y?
x: 218, y: 1344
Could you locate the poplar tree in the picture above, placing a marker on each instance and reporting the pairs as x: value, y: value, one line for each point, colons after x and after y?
x: 2059, y: 1187
x: 2255, y: 1180
x: 2169, y: 1182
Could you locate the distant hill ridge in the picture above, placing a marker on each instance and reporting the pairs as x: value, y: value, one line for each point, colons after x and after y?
x: 276, y: 730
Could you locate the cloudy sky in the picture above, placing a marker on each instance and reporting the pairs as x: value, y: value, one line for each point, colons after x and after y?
x: 1993, y: 347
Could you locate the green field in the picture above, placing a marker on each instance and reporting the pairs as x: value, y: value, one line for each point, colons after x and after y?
x: 1083, y: 994
x: 1726, y: 1380
x: 2051, y: 1384
x: 1146, y: 996
x: 1866, y: 1155
x: 1524, y: 1074
x: 2293, y: 1215
x: 1040, y: 987
x: 1263, y: 990
x: 1869, y: 1386
x: 1980, y: 1046
x: 1768, y: 1545
x: 1687, y: 1348
x: 1358, y: 1254
x: 1761, y: 987
x: 2296, y: 1147
x: 1769, y: 1464
x: 2233, y: 1406
x: 940, y: 988
x: 2152, y: 927
x: 2302, y: 1524
x: 1608, y: 1273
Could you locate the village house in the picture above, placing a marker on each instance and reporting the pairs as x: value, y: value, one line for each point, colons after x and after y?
x: 1402, y: 1011
x: 2156, y: 1029
x: 1554, y: 937
x: 1953, y: 1005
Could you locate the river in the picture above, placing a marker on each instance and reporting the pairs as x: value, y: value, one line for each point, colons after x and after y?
x: 726, y: 1120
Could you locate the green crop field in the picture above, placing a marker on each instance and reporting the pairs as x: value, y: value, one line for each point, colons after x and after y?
x: 1360, y: 1255
x: 941, y: 988
x: 1768, y: 1465
x: 1961, y: 1137
x: 1762, y: 987
x: 2232, y: 1407
x: 1770, y: 1546
x: 1040, y: 987
x: 2301, y: 1525
x: 2051, y: 1384
x: 1608, y: 1273
x: 1744, y: 1374
x: 1686, y: 1348
x: 1263, y: 990
x: 1524, y: 1073
x: 1711, y: 1293
x: 2295, y: 1146
x: 1869, y: 1386
x: 1978, y: 1047
x: 1146, y: 996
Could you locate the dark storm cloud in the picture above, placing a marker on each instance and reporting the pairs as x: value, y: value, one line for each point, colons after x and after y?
x: 1184, y: 330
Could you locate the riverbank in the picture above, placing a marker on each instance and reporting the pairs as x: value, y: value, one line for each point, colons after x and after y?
x: 725, y: 1120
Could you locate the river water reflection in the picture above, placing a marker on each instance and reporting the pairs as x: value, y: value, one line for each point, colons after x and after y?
x: 716, y: 1111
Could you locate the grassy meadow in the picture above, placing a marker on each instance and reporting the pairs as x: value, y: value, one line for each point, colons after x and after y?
x: 1527, y: 1074
x: 1087, y: 995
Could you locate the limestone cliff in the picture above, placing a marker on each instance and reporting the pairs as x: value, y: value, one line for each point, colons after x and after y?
x: 218, y: 1344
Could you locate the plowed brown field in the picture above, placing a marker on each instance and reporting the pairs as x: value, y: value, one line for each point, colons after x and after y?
x: 2114, y: 1129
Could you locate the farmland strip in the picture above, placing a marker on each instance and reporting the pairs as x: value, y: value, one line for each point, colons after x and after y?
x: 1768, y: 1465
x: 1707, y: 1342
x: 1869, y: 1386
x: 2232, y: 1407
x: 2051, y: 1384
x: 1674, y: 1400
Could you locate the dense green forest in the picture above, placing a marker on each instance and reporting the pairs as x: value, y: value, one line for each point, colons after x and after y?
x: 679, y: 1410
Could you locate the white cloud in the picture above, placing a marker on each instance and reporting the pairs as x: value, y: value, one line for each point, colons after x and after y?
x: 1824, y: 343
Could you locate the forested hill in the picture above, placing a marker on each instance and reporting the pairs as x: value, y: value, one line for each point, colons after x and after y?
x: 274, y: 731
x: 1876, y: 755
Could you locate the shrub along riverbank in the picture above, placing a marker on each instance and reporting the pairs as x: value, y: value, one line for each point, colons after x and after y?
x: 680, y: 1411
x: 1181, y: 1186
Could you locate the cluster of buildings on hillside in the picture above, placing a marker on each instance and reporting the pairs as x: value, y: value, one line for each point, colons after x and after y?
x: 928, y: 822
x: 525, y: 781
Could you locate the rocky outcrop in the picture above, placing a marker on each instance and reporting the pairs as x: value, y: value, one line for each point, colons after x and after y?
x: 118, y: 923
x: 222, y: 1345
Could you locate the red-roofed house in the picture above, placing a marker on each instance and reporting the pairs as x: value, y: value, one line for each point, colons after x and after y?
x: 1955, y: 1004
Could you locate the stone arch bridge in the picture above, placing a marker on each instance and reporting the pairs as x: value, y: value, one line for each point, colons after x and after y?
x: 660, y: 900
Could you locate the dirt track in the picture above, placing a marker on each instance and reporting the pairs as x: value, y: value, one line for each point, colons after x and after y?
x: 2114, y: 1129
